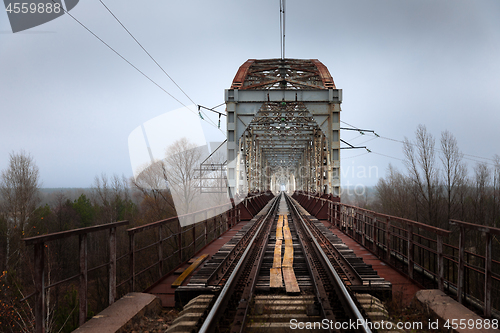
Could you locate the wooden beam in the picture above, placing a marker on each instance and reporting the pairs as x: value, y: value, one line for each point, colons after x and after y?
x: 178, y: 282
x: 276, y: 280
x: 288, y: 257
x: 277, y: 254
x: 291, y: 285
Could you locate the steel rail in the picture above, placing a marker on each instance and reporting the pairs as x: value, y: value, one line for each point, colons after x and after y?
x: 345, y: 293
x: 224, y: 292
x: 319, y: 287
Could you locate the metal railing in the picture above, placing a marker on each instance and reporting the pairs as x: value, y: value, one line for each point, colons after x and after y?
x: 165, y: 245
x: 182, y: 242
x: 39, y: 244
x: 422, y: 252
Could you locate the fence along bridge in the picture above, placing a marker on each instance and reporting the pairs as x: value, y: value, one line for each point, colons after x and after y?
x: 283, y: 135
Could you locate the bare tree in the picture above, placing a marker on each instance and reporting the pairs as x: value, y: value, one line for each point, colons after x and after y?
x: 395, y: 194
x: 454, y: 172
x: 482, y: 182
x: 157, y: 201
x: 421, y: 164
x: 19, y: 192
x: 496, y: 189
x: 109, y: 194
x: 182, y: 160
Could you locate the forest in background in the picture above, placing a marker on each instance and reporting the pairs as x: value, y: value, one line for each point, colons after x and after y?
x: 437, y: 185
x: 26, y: 210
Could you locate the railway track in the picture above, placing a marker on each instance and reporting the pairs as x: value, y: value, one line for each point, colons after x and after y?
x: 282, y: 271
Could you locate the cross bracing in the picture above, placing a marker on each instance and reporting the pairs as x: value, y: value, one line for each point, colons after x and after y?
x: 283, y: 127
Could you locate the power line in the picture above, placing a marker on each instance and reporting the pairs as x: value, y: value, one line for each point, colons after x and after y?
x: 282, y: 28
x: 142, y: 47
x: 387, y: 156
x: 345, y: 158
x: 399, y: 141
x: 127, y: 61
x: 157, y: 64
x: 118, y: 54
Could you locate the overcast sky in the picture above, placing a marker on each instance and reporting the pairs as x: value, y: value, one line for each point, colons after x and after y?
x: 72, y: 103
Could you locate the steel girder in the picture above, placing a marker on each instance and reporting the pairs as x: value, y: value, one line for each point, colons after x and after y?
x: 283, y: 122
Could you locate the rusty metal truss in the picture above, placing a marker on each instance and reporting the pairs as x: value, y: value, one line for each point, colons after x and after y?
x: 301, y: 74
x: 283, y: 122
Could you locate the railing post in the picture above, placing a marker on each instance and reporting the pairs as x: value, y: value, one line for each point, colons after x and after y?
x: 337, y: 215
x: 363, y: 229
x: 180, y: 241
x: 131, y: 237
x: 487, y: 277
x: 440, y: 262
x: 410, y: 250
x: 206, y: 227
x: 83, y: 279
x: 112, y: 265
x: 39, y: 249
x: 194, y: 238
x: 461, y: 253
x: 160, y: 250
x: 388, y: 240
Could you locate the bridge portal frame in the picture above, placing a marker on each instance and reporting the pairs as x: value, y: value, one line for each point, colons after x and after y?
x: 324, y: 106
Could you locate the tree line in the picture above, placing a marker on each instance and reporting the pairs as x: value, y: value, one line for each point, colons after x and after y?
x: 141, y: 200
x: 437, y: 184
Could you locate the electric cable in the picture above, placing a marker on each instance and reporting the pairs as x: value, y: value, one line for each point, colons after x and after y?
x: 126, y: 60
x: 118, y: 54
x: 413, y: 144
x: 156, y: 62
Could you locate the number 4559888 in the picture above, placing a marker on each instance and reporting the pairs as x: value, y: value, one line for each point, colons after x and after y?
x: 32, y: 8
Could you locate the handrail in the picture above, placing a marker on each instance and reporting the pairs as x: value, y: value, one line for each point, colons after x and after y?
x: 38, y: 243
x: 74, y: 232
x: 228, y: 215
x: 170, y: 219
x: 398, y: 240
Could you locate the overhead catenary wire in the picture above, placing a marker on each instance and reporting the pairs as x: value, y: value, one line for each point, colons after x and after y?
x: 157, y: 64
x: 413, y: 144
x: 282, y: 28
x: 118, y: 54
x: 144, y: 49
x: 126, y: 60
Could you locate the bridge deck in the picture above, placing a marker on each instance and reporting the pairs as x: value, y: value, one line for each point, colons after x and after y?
x: 163, y: 289
x: 403, y: 289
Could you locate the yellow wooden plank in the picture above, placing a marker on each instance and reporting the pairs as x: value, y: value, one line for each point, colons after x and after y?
x: 277, y: 254
x: 285, y: 221
x: 291, y: 284
x: 288, y: 242
x: 279, y: 233
x: 275, y: 281
x: 288, y: 256
x: 189, y: 270
x: 286, y: 233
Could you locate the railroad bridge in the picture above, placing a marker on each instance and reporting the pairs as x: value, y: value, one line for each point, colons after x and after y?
x: 284, y: 247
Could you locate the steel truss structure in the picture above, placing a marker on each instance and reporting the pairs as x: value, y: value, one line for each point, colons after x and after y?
x: 283, y: 124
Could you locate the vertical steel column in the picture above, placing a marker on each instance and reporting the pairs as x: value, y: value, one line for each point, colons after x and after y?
x: 112, y: 265
x: 180, y: 239
x: 83, y: 279
x: 440, y: 261
x: 487, y: 277
x: 410, y: 250
x: 388, y: 240
x: 131, y: 262
x: 39, y: 249
x: 461, y: 255
x: 160, y: 250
